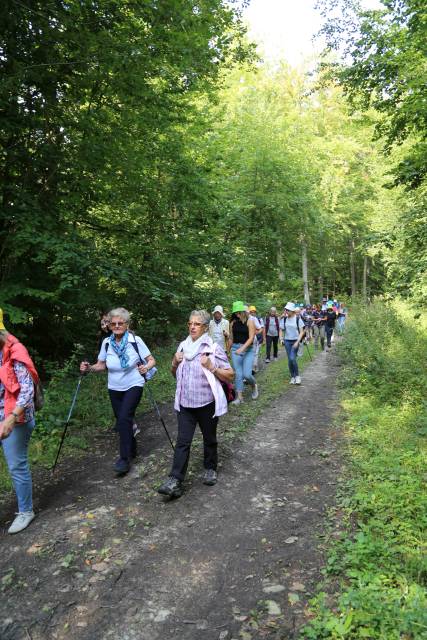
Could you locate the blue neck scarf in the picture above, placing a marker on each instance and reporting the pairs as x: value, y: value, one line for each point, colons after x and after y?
x: 120, y: 349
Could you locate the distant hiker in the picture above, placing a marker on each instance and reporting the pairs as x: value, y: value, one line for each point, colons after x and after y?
x: 272, y: 333
x: 293, y: 335
x: 330, y: 319
x: 307, y: 318
x: 242, y: 334
x: 342, y: 314
x: 219, y: 327
x: 17, y: 377
x: 318, y: 327
x: 259, y: 336
x: 105, y: 331
x: 199, y: 366
x: 122, y: 354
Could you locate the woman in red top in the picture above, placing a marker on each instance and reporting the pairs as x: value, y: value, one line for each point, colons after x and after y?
x: 17, y: 373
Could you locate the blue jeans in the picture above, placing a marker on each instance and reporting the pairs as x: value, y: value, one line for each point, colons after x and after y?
x: 329, y: 332
x: 242, y: 365
x: 15, y: 449
x: 292, y: 358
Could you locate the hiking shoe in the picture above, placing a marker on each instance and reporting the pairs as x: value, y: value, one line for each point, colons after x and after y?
x: 121, y: 467
x: 172, y: 487
x: 210, y: 477
x: 267, y: 360
x: 255, y: 392
x: 237, y: 401
x: 276, y: 358
x: 21, y: 521
x: 297, y: 380
x: 292, y: 381
x: 136, y: 429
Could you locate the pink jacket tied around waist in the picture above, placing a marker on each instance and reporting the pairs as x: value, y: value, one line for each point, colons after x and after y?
x: 218, y: 392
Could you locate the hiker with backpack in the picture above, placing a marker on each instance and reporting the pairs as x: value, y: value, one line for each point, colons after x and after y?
x: 128, y: 361
x: 200, y: 367
x: 330, y: 316
x: 242, y: 334
x: 259, y: 336
x: 293, y: 334
x: 18, y: 377
x: 272, y: 333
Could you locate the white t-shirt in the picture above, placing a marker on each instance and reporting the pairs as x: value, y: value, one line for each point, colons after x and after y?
x: 291, y: 328
x: 123, y: 379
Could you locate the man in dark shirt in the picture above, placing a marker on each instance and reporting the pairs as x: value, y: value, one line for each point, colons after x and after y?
x: 330, y: 319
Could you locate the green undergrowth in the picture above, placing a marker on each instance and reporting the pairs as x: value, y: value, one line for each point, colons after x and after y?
x: 93, y: 412
x: 376, y: 574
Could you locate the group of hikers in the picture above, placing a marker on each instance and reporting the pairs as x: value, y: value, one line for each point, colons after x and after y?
x: 204, y: 381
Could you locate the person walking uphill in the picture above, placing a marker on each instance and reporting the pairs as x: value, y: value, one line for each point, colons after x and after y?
x: 294, y: 331
x: 219, y: 327
x: 331, y: 317
x: 242, y: 334
x: 122, y: 354
x: 272, y: 333
x: 17, y: 377
x: 199, y: 366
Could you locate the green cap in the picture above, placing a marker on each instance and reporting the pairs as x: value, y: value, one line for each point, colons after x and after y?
x: 238, y: 305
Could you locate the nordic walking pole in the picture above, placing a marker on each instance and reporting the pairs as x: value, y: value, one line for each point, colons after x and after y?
x: 76, y: 393
x: 308, y: 351
x: 156, y: 407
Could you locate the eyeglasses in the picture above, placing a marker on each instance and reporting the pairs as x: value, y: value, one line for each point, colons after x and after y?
x: 117, y: 324
x: 194, y: 324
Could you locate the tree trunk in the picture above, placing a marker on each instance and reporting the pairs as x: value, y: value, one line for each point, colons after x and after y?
x: 280, y: 261
x: 365, y: 279
x: 305, y: 270
x: 352, y: 269
x: 320, y: 280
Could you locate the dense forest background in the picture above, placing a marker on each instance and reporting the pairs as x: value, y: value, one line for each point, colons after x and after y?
x: 151, y: 159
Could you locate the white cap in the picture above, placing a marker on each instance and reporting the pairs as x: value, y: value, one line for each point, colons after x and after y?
x: 290, y: 306
x: 219, y: 309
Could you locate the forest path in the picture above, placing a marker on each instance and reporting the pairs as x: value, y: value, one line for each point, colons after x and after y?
x: 109, y: 558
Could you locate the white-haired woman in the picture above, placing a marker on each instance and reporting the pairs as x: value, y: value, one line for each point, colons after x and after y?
x: 198, y: 365
x: 127, y: 359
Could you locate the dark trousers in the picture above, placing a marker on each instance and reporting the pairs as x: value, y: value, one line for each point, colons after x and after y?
x: 124, y: 405
x: 269, y: 341
x: 188, y: 418
x: 329, y: 331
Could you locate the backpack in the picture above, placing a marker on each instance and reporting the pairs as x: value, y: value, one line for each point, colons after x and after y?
x: 151, y: 372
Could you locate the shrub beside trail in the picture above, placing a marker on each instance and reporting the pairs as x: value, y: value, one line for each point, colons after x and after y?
x: 378, y: 567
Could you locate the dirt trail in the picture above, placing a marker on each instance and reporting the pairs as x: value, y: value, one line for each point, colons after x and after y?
x: 109, y: 558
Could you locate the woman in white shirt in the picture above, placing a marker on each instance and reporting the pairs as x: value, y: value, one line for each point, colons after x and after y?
x: 127, y: 359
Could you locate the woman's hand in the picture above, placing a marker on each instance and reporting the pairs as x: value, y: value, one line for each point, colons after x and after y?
x: 295, y: 345
x: 84, y: 367
x: 240, y: 351
x: 6, y: 427
x: 206, y: 362
x: 178, y: 358
x: 142, y: 368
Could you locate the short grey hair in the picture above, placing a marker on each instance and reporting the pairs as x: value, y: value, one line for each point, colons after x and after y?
x: 120, y: 312
x: 204, y: 316
x: 3, y: 336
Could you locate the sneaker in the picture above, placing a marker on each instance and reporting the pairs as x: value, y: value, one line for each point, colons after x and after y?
x: 292, y: 381
x: 237, y: 401
x: 121, y: 467
x: 21, y: 521
x: 267, y: 360
x: 255, y: 392
x: 275, y: 358
x: 136, y: 429
x: 172, y: 487
x: 297, y: 380
x: 210, y: 477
